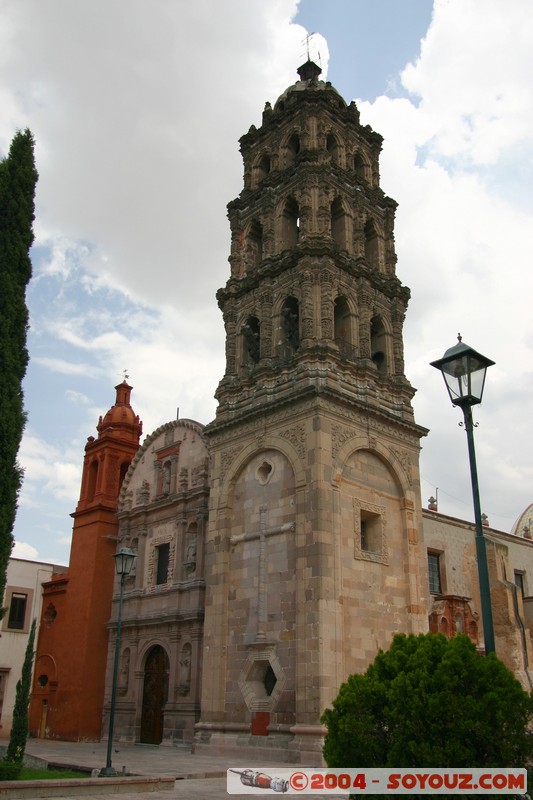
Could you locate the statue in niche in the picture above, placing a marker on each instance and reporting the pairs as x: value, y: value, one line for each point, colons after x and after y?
x: 190, y: 554
x: 128, y: 501
x: 184, y: 677
x: 124, y: 674
x: 134, y: 545
x: 199, y: 474
x: 143, y: 494
x: 166, y: 479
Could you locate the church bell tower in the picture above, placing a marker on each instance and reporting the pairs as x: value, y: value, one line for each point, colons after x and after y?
x: 314, y: 558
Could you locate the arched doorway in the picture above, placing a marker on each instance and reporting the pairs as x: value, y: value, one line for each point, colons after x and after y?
x: 155, y: 695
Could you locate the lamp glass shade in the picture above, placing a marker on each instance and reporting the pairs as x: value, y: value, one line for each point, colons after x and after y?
x: 124, y: 559
x: 464, y: 371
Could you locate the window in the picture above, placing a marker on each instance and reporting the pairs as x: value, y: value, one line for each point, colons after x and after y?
x: 333, y: 148
x: 338, y: 223
x: 92, y: 479
x: 359, y: 166
x: 371, y: 245
x: 162, y: 563
x: 123, y: 470
x: 17, y: 611
x: 290, y: 224
x: 519, y: 582
x: 261, y: 169
x: 251, y: 341
x: 269, y: 680
x: 371, y: 532
x: 378, y: 344
x: 254, y: 245
x: 343, y: 327
x: 435, y: 586
x: 290, y: 323
x: 292, y: 149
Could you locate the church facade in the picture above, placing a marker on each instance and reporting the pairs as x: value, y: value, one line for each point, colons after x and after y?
x: 162, y: 517
x: 280, y: 546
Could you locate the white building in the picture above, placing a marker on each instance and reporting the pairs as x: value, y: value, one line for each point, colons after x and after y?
x: 22, y: 601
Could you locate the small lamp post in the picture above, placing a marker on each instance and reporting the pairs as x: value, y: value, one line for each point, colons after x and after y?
x: 464, y: 372
x: 124, y: 559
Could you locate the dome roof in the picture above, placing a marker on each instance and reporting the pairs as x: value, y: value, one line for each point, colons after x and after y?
x: 308, y: 73
x: 524, y: 524
x: 121, y: 420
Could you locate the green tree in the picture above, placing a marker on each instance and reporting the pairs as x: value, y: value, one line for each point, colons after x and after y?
x: 430, y: 702
x: 19, y: 728
x: 18, y: 178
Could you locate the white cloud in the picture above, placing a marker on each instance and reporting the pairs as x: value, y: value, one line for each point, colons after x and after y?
x: 64, y: 367
x: 464, y: 237
x: 25, y: 551
x: 136, y: 148
x: 473, y: 78
x: 48, y: 470
x: 78, y: 398
x: 138, y: 157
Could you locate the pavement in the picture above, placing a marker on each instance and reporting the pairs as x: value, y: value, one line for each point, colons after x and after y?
x: 199, y: 777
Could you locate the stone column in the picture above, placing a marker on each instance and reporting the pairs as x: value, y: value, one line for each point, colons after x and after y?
x: 181, y: 523
x: 230, y: 319
x: 308, y: 316
x: 326, y: 306
x: 201, y: 528
x: 266, y: 325
x: 140, y: 561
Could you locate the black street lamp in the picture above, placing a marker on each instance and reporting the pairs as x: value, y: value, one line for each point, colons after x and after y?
x: 124, y: 559
x: 464, y: 372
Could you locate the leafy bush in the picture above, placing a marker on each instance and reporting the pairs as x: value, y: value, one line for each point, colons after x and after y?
x: 430, y: 702
x: 9, y: 770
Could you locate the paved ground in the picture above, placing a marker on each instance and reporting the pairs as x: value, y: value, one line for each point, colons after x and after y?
x: 200, y: 777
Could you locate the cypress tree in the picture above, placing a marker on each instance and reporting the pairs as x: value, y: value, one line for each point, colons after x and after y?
x: 18, y: 178
x: 20, y: 726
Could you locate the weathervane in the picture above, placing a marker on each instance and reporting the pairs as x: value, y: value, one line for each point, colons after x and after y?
x: 307, y: 41
x: 125, y: 373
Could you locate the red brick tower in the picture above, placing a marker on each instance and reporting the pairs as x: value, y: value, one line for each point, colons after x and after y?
x: 71, y: 654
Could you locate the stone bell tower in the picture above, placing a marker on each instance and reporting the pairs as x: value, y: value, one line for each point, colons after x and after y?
x: 314, y: 558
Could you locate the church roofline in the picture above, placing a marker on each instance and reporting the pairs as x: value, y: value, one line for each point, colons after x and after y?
x: 471, y: 525
x: 189, y: 424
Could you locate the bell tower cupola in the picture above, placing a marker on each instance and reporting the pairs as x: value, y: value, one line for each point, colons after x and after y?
x: 313, y: 301
x: 108, y: 456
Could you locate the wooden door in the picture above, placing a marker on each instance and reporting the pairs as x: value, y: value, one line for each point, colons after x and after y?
x: 155, y: 695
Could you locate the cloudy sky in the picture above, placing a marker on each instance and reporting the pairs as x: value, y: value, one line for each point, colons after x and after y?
x: 137, y: 108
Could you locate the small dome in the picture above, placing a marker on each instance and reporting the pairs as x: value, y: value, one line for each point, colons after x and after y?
x: 308, y: 73
x: 524, y: 524
x: 121, y: 419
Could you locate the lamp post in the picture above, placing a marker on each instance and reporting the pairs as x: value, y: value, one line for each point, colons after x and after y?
x: 464, y: 371
x: 124, y: 559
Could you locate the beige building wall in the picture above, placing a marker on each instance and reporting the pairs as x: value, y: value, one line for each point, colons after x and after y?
x: 510, y: 562
x: 23, y: 600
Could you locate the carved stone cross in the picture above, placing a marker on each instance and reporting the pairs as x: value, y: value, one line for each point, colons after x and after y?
x: 262, y: 535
